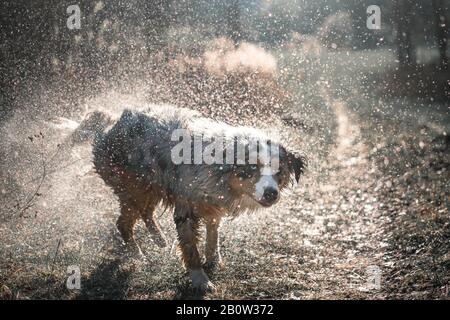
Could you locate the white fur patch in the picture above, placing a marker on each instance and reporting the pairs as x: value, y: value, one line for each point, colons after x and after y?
x: 266, y: 180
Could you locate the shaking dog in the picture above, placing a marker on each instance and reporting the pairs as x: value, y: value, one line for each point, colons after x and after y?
x: 202, y: 169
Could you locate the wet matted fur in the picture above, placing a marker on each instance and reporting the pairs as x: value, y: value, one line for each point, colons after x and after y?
x: 134, y: 158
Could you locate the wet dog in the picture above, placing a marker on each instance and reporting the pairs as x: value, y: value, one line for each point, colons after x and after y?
x: 202, y: 169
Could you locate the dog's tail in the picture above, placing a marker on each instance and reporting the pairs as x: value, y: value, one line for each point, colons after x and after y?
x: 91, y: 128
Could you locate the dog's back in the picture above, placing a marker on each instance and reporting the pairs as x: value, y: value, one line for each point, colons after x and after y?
x: 131, y: 145
x: 120, y: 145
x: 137, y: 132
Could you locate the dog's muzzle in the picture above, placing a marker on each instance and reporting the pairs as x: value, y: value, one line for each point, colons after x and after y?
x: 270, y: 196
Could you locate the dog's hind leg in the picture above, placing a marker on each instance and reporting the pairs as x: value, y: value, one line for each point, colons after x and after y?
x: 125, y: 224
x: 148, y: 215
x: 187, y: 224
x: 212, y: 252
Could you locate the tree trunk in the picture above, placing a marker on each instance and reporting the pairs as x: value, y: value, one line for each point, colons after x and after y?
x: 441, y: 32
x: 403, y: 21
x: 234, y: 23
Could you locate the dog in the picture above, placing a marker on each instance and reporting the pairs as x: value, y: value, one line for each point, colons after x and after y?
x: 139, y: 155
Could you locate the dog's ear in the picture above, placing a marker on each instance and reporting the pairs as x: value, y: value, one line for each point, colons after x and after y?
x: 296, y: 165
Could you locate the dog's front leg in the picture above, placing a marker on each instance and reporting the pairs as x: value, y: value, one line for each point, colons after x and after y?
x: 212, y: 251
x: 187, y: 224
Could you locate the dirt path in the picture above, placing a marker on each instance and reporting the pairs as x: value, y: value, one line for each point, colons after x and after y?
x: 344, y: 231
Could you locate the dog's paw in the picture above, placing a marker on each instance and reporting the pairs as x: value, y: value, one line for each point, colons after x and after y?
x: 200, y: 281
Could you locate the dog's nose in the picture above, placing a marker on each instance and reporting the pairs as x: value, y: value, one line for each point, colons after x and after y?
x: 270, y: 195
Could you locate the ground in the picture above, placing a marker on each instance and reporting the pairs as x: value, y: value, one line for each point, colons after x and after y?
x: 373, y: 204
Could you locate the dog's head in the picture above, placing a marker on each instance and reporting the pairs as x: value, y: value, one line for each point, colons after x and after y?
x: 263, y: 182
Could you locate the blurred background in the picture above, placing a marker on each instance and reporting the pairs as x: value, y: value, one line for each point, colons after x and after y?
x: 118, y: 36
